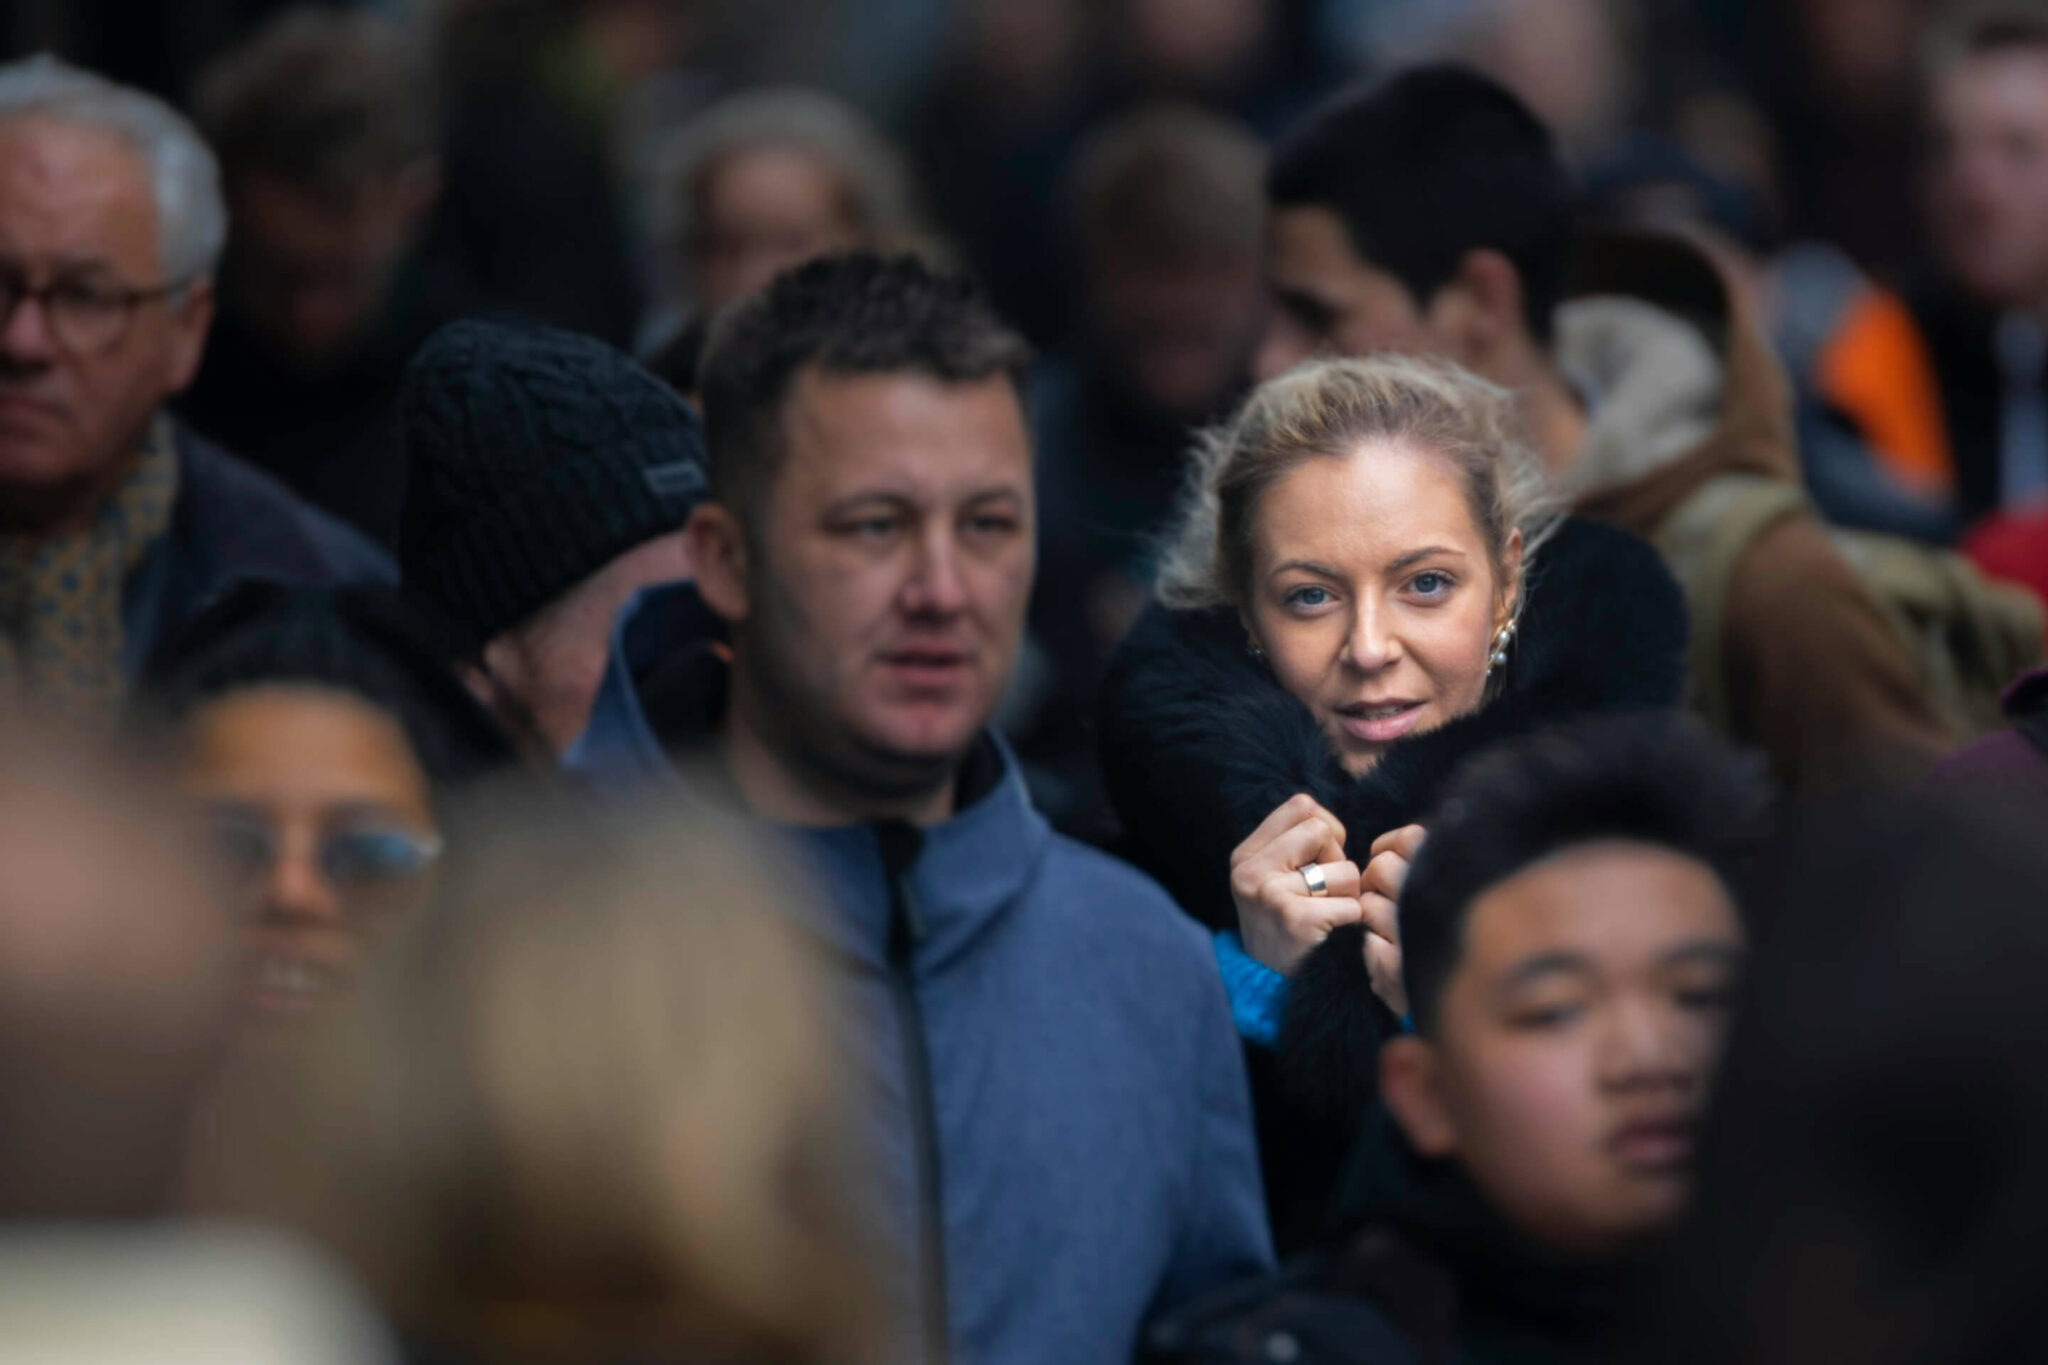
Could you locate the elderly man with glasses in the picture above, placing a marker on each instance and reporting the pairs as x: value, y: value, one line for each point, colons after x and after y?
x: 116, y: 524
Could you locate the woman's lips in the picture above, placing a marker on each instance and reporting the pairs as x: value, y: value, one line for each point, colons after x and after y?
x: 284, y: 986
x: 1380, y: 722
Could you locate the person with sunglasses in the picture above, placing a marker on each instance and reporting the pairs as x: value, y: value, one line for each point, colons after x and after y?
x: 118, y: 523
x: 321, y: 736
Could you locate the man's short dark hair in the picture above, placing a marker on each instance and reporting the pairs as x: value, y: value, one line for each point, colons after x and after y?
x: 1428, y: 165
x: 1659, y: 779
x: 320, y: 99
x: 853, y: 314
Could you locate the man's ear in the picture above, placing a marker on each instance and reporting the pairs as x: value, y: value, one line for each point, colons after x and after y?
x: 1478, y: 312
x: 191, y: 320
x: 717, y: 549
x: 1411, y: 1085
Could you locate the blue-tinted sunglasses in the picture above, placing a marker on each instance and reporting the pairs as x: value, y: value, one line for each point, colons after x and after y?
x: 355, y: 856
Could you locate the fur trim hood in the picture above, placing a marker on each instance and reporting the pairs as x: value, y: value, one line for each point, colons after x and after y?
x: 1200, y: 744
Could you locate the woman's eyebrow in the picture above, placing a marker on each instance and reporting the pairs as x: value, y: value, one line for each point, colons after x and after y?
x: 1414, y: 557
x: 1307, y: 566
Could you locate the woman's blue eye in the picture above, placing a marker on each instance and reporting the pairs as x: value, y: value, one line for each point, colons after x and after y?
x: 1431, y: 584
x: 1308, y: 597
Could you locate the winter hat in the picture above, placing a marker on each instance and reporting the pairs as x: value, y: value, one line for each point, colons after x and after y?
x: 536, y: 457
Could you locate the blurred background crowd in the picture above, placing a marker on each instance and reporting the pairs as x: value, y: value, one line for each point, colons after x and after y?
x: 632, y: 1131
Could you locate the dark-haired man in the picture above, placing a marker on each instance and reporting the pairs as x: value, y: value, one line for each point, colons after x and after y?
x: 1986, y: 314
x: 1571, y: 946
x: 1062, y: 1117
x: 324, y: 124
x: 1431, y: 214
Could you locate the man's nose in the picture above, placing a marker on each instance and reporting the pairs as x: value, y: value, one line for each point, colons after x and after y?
x: 27, y: 337
x: 936, y: 586
x: 1643, y: 1044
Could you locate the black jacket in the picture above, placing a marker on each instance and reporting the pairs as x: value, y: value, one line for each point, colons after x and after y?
x: 1200, y: 744
x: 1424, y: 1273
x: 234, y: 524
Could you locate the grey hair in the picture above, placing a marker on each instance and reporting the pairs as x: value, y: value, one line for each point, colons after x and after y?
x: 191, y: 216
x: 1327, y: 409
x: 878, y: 179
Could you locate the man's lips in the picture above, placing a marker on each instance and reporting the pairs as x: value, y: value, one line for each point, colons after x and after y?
x: 1659, y: 1145
x: 15, y: 406
x: 1379, y: 722
x: 928, y: 667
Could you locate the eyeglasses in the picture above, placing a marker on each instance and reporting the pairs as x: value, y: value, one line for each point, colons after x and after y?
x: 360, y: 856
x: 83, y: 318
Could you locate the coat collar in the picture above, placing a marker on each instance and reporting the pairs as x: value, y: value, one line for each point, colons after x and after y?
x: 968, y: 870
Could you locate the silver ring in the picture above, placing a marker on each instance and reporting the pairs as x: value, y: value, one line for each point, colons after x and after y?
x: 1313, y: 875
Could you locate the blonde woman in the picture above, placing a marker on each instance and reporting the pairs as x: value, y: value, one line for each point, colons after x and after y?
x: 1372, y: 582
x: 587, y: 1108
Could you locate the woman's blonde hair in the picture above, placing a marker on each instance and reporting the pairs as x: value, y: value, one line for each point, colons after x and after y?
x: 1328, y: 408
x: 589, y: 1106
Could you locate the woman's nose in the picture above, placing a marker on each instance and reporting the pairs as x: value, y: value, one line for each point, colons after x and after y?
x: 1371, y: 645
x: 297, y: 890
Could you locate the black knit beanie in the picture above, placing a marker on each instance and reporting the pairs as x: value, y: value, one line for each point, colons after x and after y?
x: 536, y: 457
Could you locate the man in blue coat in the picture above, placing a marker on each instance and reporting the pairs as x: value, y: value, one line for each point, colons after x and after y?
x: 1062, y: 1123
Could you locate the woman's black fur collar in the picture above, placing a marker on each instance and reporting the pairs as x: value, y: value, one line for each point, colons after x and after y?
x: 1200, y: 743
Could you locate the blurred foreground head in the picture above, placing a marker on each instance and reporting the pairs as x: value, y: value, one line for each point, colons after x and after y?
x: 587, y: 1110
x: 115, y: 969
x: 1874, y: 1186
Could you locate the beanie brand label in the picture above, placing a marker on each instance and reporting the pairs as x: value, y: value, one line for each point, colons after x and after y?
x: 679, y: 479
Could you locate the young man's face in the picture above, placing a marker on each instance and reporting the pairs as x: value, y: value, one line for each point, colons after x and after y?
x: 1329, y: 301
x: 1574, y: 1041
x: 886, y: 594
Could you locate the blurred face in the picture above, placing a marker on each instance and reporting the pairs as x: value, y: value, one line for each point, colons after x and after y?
x: 1180, y: 335
x: 1374, y: 595
x: 885, y: 603
x: 322, y: 817
x: 313, y: 279
x: 552, y: 665
x: 1575, y: 1041
x: 1328, y: 301
x: 761, y: 210
x: 1988, y: 178
x: 77, y: 219
x: 1194, y: 41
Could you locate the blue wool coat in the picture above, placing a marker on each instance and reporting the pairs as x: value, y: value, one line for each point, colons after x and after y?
x: 1094, y: 1151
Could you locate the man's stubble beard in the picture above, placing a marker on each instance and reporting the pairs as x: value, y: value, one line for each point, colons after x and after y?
x: 797, y: 724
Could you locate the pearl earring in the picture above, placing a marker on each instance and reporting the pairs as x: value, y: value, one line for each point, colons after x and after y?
x: 1498, y: 655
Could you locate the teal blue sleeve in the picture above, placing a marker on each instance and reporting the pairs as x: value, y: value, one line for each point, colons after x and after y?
x: 1257, y: 992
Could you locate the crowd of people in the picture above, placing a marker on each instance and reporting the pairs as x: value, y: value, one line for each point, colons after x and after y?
x: 1367, y: 700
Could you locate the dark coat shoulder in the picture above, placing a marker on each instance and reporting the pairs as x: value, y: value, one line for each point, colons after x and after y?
x: 235, y: 524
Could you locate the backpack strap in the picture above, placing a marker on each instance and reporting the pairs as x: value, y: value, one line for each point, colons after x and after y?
x: 1702, y: 540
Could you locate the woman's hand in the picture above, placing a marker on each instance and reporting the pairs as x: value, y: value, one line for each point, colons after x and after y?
x: 1379, y: 903
x: 1279, y: 918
